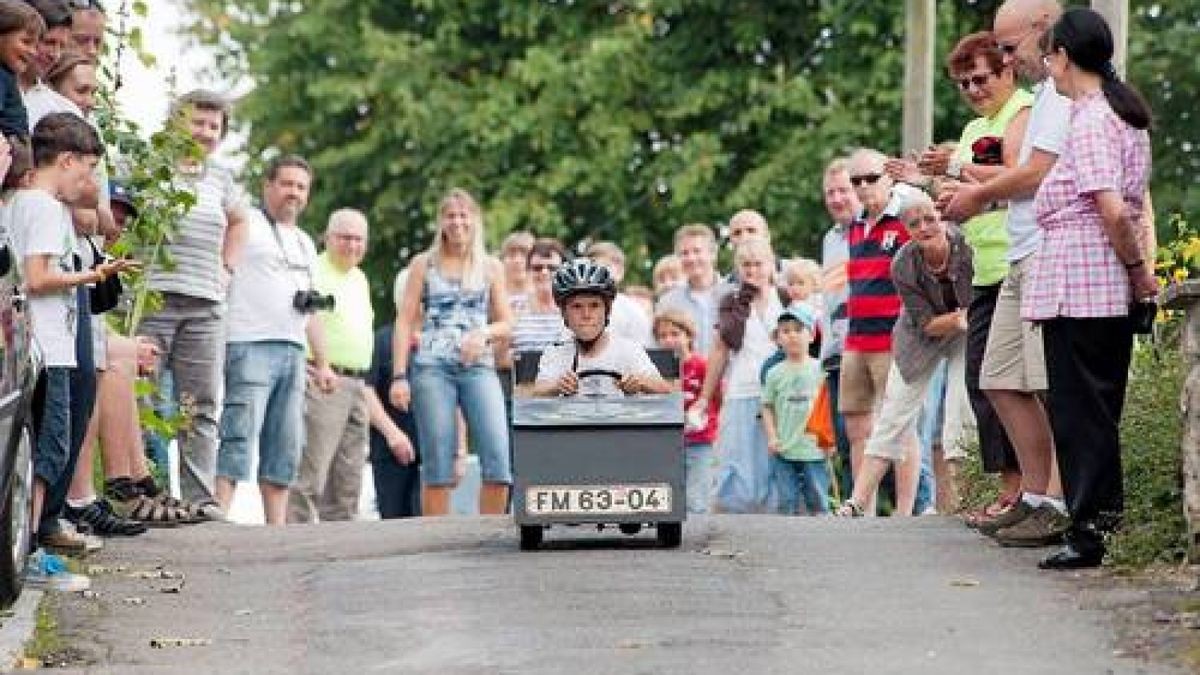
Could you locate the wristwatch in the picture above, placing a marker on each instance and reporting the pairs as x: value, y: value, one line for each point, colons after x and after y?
x: 954, y: 168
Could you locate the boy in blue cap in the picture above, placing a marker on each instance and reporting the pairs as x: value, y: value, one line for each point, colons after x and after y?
x: 798, y: 462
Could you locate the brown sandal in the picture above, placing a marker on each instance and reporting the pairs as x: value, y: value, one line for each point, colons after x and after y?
x: 154, y: 514
x: 974, y: 519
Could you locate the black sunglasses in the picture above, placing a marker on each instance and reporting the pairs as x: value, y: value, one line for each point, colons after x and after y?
x: 547, y: 267
x: 865, y: 179
x: 86, y: 4
x: 977, y: 80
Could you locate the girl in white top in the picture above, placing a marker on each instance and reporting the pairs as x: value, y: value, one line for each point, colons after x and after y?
x: 744, y: 482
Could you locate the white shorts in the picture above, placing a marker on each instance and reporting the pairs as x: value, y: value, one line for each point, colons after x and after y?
x: 896, y: 423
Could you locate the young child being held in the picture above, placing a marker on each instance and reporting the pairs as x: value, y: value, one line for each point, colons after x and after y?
x: 675, y: 330
x: 611, y: 365
x: 791, y: 387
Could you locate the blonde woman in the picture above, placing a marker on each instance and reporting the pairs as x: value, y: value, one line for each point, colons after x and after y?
x: 455, y: 295
x: 746, y: 317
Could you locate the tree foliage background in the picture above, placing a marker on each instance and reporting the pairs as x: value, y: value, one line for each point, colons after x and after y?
x: 615, y: 119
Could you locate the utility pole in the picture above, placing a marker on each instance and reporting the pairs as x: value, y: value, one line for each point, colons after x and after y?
x: 1116, y: 13
x: 919, y: 32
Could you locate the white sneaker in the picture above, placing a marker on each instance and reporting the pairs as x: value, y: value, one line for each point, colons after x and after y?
x: 48, y: 571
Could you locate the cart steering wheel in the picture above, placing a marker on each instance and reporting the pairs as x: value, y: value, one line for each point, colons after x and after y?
x: 599, y: 371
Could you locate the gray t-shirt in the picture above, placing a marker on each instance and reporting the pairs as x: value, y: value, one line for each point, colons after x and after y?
x: 835, y: 253
x: 196, y: 246
x: 39, y: 224
x: 1049, y: 121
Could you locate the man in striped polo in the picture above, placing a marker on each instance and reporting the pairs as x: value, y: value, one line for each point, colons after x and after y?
x: 189, y: 329
x: 874, y: 238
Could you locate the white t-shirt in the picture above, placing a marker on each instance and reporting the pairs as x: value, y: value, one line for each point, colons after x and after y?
x: 620, y: 355
x: 1049, y: 121
x: 629, y: 320
x: 39, y: 224
x: 746, y: 363
x: 266, y: 281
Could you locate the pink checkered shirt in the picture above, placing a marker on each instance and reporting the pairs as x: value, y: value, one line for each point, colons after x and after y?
x: 1076, y: 273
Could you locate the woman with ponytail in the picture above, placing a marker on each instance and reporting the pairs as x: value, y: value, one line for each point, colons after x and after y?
x: 1088, y: 275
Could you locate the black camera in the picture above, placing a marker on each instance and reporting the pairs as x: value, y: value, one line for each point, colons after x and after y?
x: 311, y: 301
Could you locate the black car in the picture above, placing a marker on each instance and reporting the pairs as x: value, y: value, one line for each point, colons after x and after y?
x: 19, y: 365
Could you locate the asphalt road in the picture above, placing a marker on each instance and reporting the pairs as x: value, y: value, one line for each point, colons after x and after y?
x: 745, y: 595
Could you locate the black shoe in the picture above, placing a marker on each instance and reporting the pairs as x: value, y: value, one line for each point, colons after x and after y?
x: 1073, y: 557
x: 98, y: 518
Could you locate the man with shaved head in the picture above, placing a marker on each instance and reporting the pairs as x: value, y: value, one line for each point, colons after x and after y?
x: 1014, y: 369
x: 337, y: 421
x: 873, y: 304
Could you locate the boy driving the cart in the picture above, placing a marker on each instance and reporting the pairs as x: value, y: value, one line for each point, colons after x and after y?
x: 596, y: 362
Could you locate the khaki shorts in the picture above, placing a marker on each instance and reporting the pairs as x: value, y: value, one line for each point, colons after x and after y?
x: 1015, y: 359
x: 863, y: 380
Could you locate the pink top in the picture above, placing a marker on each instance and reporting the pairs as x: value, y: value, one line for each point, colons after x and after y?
x: 1076, y: 273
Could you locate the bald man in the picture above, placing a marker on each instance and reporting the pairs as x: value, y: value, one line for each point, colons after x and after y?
x: 1013, y: 371
x: 337, y: 422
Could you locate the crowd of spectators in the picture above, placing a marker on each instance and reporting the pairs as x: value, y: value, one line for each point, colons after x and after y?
x: 973, y: 297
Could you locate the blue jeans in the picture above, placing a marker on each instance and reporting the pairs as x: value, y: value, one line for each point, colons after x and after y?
x: 699, y: 461
x: 438, y: 390
x: 264, y: 411
x: 798, y: 481
x: 745, y: 477
x: 929, y: 430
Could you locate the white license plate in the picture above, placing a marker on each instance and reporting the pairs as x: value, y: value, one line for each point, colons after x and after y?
x: 604, y: 499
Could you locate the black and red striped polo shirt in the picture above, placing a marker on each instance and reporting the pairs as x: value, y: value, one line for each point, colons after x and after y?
x: 874, y: 303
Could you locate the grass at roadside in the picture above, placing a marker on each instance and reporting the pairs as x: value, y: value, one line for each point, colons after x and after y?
x: 46, y: 640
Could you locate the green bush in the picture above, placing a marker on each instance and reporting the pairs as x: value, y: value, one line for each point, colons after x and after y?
x: 1154, y: 530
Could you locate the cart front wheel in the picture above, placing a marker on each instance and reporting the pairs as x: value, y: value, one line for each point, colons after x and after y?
x: 630, y: 528
x: 670, y: 535
x: 531, y: 537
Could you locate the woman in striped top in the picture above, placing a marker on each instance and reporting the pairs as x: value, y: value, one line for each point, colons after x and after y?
x: 541, y: 324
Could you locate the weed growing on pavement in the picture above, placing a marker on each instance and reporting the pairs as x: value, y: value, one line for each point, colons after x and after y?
x: 45, y: 641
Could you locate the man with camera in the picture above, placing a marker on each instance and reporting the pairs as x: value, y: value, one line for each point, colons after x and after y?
x: 272, y: 300
x: 337, y: 422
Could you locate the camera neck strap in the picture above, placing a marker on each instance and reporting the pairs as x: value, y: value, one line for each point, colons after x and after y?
x: 287, y: 260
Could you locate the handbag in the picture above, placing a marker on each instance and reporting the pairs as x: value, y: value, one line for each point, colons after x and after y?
x: 104, y: 294
x: 1142, y: 315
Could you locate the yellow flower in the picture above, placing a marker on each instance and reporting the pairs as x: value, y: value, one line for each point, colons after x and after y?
x: 1180, y: 275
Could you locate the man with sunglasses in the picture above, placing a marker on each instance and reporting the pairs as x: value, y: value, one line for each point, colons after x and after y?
x: 873, y: 304
x: 1013, y: 371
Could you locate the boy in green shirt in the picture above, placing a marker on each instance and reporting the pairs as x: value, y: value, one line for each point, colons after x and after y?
x: 798, y: 464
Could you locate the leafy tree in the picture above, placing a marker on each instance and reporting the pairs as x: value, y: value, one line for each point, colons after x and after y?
x: 618, y: 120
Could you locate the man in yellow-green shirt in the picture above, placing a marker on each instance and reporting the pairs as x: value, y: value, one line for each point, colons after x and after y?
x: 336, y: 422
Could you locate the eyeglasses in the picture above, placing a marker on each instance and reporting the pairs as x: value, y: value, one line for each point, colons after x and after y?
x: 979, y: 81
x: 547, y: 267
x: 865, y: 179
x: 86, y: 4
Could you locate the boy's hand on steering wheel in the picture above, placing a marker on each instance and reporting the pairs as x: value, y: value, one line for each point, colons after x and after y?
x: 631, y: 384
x: 568, y: 384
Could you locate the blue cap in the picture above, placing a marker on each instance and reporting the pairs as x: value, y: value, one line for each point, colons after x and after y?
x: 121, y: 193
x: 800, y: 313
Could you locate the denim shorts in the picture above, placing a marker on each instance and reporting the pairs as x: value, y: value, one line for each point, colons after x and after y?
x: 264, y: 411
x: 440, y: 389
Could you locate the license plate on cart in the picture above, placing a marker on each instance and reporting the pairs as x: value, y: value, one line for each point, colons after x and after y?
x: 616, y: 499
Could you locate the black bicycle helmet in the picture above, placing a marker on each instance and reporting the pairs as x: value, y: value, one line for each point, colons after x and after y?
x: 583, y: 276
